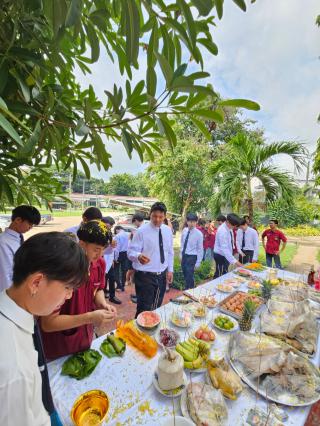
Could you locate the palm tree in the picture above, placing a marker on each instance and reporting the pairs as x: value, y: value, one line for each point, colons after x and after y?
x: 241, y: 160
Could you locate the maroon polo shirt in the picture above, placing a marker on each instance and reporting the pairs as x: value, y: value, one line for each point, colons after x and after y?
x: 61, y: 343
x: 209, y: 239
x: 273, y: 240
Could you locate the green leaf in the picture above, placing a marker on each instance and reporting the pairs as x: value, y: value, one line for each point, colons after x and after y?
x: 165, y: 68
x: 180, y: 71
x: 204, y: 6
x: 151, y: 81
x: 219, y: 7
x: 198, y: 75
x: 241, y: 4
x: 166, y: 129
x: 207, y: 113
x: 202, y: 127
x: 195, y: 89
x: 94, y: 42
x: 6, y: 125
x: 189, y: 21
x: 85, y: 167
x: 74, y: 12
x: 127, y: 142
x: 210, y: 45
x: 132, y: 30
x: 23, y: 85
x: 29, y: 146
x: 7, y: 189
x: 241, y: 103
x: 153, y: 46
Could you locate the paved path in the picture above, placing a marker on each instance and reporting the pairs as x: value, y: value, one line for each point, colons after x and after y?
x: 306, y: 254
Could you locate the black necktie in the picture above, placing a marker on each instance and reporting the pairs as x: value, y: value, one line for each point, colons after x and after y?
x: 243, y: 240
x: 231, y: 239
x: 161, y: 246
x: 46, y: 391
x: 185, y: 243
x: 21, y: 239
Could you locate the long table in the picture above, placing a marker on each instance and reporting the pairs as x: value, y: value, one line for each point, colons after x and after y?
x: 128, y: 380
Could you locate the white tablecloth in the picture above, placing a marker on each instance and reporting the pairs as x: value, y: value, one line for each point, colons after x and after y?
x: 128, y: 380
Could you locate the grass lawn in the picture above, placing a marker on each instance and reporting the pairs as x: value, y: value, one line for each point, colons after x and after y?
x: 286, y: 256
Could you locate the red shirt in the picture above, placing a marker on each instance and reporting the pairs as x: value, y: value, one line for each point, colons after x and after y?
x: 209, y: 239
x: 66, y: 342
x: 273, y: 240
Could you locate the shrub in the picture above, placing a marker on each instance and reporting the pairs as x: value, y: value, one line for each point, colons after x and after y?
x: 203, y: 273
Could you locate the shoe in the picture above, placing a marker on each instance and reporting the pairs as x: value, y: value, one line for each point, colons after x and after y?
x: 123, y: 289
x: 106, y: 292
x: 133, y: 298
x: 118, y: 289
x: 115, y: 300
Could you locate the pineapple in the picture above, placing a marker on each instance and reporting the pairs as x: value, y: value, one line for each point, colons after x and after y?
x: 266, y: 290
x: 249, y: 308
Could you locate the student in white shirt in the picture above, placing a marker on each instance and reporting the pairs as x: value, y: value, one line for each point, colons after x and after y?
x: 121, y: 258
x: 22, y: 220
x: 137, y: 221
x: 47, y: 267
x: 151, y: 253
x: 247, y: 243
x: 191, y: 249
x: 91, y: 213
x: 109, y: 256
x: 224, y: 245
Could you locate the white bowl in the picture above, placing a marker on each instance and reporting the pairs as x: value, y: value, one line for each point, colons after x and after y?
x: 177, y: 421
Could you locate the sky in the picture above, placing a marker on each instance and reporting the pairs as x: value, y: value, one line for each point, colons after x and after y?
x: 269, y: 54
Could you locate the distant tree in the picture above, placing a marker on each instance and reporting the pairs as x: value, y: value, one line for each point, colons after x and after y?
x: 121, y: 184
x: 244, y: 159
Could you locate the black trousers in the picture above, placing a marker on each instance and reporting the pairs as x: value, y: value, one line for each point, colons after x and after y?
x: 222, y: 265
x: 111, y: 282
x: 188, y: 263
x: 120, y: 268
x: 247, y: 258
x: 150, y: 290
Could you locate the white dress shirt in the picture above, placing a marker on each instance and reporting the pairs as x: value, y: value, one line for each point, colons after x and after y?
x: 146, y: 241
x: 194, y: 244
x: 251, y: 241
x: 224, y: 243
x: 122, y: 239
x: 20, y: 378
x: 10, y: 241
x: 109, y: 255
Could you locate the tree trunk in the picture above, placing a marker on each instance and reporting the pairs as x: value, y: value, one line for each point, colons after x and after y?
x: 185, y: 209
x: 250, y: 208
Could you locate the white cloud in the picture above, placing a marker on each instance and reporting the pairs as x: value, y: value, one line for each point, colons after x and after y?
x: 269, y: 54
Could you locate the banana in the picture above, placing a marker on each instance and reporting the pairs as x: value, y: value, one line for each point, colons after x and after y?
x: 191, y: 348
x: 185, y: 353
x: 193, y: 365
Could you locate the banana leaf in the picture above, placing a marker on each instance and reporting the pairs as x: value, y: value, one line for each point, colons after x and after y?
x: 82, y: 364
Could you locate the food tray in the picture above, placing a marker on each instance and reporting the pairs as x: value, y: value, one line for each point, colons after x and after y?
x: 234, y: 315
x: 286, y: 398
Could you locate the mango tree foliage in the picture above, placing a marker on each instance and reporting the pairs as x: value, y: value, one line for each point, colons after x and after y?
x: 47, y: 119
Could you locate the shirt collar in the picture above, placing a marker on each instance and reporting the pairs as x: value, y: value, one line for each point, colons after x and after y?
x: 13, y: 233
x: 14, y: 313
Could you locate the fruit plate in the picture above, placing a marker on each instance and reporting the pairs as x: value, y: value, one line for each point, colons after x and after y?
x: 157, y: 337
x: 234, y: 322
x: 225, y: 288
x: 148, y: 320
x: 171, y: 393
x: 232, y: 313
x: 185, y: 411
x: 210, y: 342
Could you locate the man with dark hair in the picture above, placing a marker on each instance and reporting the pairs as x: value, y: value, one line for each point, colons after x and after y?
x: 151, y: 253
x: 69, y: 329
x: 272, y: 248
x: 46, y: 270
x: 247, y: 243
x: 121, y: 259
x: 137, y: 221
x: 191, y: 250
x: 109, y: 255
x: 224, y: 245
x: 22, y: 220
x: 220, y: 219
x: 91, y: 213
